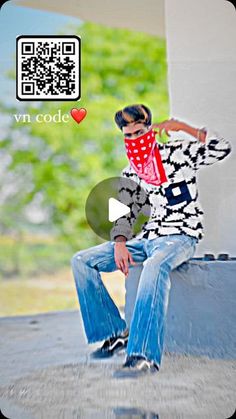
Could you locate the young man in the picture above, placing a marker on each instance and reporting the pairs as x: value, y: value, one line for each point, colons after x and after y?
x: 167, y: 173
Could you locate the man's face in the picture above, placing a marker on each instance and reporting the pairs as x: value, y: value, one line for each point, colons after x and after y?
x: 134, y: 130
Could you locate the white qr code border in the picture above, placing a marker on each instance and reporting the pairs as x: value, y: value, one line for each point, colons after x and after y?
x: 76, y: 96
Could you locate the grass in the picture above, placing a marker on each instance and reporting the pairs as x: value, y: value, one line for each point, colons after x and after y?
x: 35, y: 277
x: 32, y: 256
x: 50, y: 293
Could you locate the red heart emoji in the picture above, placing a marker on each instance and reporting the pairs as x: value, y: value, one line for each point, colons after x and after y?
x: 78, y: 114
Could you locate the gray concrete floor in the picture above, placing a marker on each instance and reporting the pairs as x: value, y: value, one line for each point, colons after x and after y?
x: 46, y: 373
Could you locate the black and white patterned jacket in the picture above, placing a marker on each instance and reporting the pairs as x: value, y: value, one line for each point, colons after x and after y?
x: 175, y: 208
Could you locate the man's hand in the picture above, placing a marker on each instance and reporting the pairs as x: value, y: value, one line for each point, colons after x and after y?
x: 123, y: 257
x: 169, y: 125
x: 175, y: 125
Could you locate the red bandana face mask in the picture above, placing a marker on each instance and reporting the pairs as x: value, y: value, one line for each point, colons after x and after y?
x: 145, y: 158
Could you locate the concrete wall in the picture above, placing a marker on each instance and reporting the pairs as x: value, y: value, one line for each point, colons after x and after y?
x: 201, y: 52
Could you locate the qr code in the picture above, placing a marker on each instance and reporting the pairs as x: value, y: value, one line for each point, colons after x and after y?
x: 48, y: 67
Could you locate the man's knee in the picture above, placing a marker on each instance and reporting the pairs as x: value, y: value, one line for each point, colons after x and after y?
x: 77, y: 259
x: 79, y: 270
x: 158, y: 262
x: 88, y: 257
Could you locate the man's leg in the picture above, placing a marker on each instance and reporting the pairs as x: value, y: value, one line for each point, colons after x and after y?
x: 100, y: 315
x: 131, y: 288
x: 146, y: 337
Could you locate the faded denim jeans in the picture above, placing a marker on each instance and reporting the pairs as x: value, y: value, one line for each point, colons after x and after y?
x: 102, y: 318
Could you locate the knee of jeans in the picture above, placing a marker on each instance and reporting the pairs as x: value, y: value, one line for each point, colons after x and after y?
x: 76, y: 259
x: 158, y: 262
x: 154, y: 260
x: 77, y: 265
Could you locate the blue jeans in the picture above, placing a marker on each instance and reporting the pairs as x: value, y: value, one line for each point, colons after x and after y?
x: 101, y: 316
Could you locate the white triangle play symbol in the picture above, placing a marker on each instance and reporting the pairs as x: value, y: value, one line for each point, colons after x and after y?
x: 116, y: 209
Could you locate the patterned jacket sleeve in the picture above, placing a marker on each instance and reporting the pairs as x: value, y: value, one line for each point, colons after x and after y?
x: 127, y: 194
x: 214, y: 149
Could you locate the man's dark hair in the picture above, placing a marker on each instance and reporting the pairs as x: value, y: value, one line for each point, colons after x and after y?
x: 133, y: 113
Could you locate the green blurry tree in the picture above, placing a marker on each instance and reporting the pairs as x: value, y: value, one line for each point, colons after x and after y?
x: 65, y: 160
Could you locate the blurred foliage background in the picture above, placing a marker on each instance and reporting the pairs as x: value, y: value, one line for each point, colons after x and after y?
x: 48, y: 169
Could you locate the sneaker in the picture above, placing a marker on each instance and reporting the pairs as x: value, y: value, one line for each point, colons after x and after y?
x: 112, y: 346
x: 136, y: 365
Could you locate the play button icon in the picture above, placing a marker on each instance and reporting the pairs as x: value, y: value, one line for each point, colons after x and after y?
x: 111, y: 200
x: 117, y: 209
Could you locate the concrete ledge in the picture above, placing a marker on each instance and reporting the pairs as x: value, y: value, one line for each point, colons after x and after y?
x: 201, y: 314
